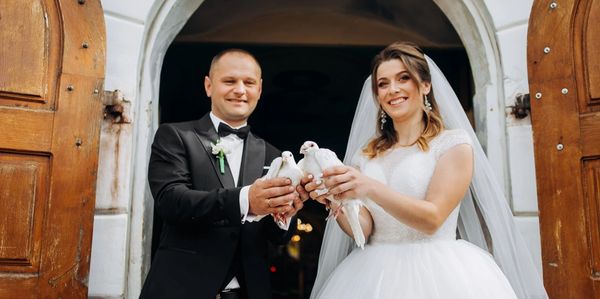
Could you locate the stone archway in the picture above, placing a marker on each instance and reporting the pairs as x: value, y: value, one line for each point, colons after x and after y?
x: 469, y: 18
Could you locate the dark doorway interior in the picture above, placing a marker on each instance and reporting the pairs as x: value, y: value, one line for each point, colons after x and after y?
x: 309, y: 93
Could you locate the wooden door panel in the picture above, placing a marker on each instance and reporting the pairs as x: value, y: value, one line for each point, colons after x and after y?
x: 17, y: 204
x: 23, y: 202
x: 591, y: 174
x: 590, y: 133
x: 33, y: 55
x: 84, y: 45
x: 28, y: 288
x: 29, y: 55
x: 592, y: 44
x: 51, y: 78
x: 26, y: 130
x: 67, y: 238
x: 564, y: 74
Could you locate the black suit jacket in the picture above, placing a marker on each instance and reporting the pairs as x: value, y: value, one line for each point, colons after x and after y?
x: 200, y: 209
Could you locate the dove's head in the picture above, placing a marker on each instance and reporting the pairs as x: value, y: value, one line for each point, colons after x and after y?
x: 308, y: 147
x: 287, y: 156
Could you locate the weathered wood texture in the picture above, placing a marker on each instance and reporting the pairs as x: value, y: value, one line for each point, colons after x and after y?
x: 51, y: 78
x: 566, y: 129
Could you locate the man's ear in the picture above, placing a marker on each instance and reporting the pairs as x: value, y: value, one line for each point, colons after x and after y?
x: 207, y: 86
x: 260, y: 87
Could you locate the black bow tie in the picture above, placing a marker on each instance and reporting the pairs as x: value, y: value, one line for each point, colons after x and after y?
x: 225, y: 130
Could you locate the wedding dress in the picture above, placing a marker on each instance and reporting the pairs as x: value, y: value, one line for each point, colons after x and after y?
x: 401, y: 262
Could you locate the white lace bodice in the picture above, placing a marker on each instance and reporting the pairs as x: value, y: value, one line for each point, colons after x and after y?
x: 408, y: 170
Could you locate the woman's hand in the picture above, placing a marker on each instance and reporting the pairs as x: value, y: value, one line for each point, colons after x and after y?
x: 345, y: 182
x: 312, y: 188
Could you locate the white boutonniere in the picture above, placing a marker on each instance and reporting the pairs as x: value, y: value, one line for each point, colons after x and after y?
x: 220, y: 150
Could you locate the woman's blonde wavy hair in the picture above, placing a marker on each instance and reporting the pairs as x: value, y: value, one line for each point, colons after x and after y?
x: 414, y: 59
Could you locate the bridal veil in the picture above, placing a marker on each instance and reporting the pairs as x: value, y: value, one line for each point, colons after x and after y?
x: 496, y: 232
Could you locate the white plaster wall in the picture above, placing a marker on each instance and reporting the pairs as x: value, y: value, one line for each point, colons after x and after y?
x: 510, y: 24
x: 110, y: 244
x: 507, y: 13
x: 512, y: 41
x: 118, y: 251
x: 108, y: 263
x: 530, y: 229
x: 522, y: 170
x: 135, y: 11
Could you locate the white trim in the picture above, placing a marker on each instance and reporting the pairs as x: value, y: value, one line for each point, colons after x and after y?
x: 166, y: 18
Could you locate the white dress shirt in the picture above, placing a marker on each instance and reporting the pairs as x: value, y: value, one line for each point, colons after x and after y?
x: 234, y: 159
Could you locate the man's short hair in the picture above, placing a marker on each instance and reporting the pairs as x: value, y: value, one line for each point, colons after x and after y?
x: 217, y: 57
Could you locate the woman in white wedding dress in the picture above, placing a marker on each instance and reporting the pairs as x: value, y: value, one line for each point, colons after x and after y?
x: 412, y: 176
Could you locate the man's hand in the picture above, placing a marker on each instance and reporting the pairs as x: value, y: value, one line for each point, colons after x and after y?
x: 303, y: 195
x: 272, y: 196
x: 301, y: 189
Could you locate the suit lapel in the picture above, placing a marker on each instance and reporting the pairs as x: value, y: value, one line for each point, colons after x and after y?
x: 253, y: 159
x: 206, y: 134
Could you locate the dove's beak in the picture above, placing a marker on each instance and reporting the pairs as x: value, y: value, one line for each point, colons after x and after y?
x: 303, y: 149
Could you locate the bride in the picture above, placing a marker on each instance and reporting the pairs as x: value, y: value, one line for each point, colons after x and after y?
x: 421, y: 176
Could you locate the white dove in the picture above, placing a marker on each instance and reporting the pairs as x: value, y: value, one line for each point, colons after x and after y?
x: 314, y: 162
x: 285, y: 167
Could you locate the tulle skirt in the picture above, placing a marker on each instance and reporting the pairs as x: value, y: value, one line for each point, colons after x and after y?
x: 427, y: 270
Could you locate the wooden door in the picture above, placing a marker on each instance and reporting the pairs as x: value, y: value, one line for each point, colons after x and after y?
x: 52, y: 57
x: 564, y: 82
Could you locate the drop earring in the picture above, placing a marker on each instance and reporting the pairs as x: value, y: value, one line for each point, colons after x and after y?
x: 382, y: 119
x: 427, y: 105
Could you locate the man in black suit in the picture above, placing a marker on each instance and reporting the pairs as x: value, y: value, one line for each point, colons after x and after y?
x: 204, y: 176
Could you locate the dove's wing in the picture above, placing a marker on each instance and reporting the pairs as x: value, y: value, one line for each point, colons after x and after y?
x: 292, y: 172
x: 351, y: 211
x: 327, y: 158
x: 310, y: 165
x: 274, y: 168
x: 301, y: 164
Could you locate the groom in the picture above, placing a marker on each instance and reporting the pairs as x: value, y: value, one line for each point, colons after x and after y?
x: 203, y: 176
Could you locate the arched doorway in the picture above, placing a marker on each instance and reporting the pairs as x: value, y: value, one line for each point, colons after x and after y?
x: 171, y: 16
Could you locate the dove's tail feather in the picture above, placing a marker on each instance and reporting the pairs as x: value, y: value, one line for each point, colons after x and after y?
x: 351, y: 210
x: 333, y: 213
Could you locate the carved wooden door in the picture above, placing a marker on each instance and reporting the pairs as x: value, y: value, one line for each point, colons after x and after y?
x: 564, y: 82
x: 52, y: 57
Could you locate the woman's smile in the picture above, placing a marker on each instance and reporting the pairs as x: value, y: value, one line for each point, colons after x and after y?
x: 397, y: 101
